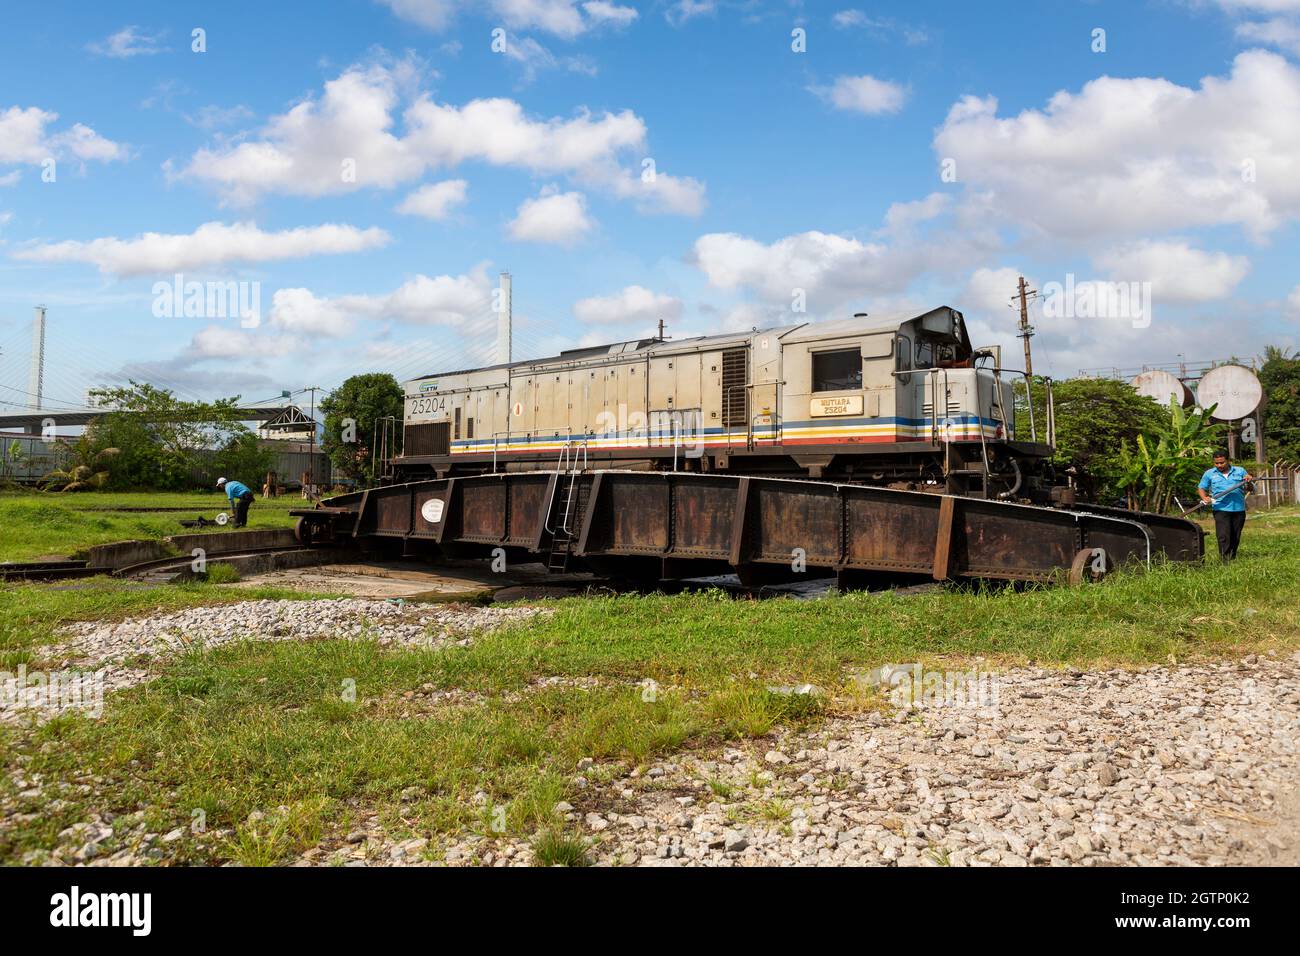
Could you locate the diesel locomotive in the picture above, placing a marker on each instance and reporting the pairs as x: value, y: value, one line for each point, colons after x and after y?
x: 902, y: 402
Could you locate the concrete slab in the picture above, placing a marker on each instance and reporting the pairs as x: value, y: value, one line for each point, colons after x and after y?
x: 416, y: 581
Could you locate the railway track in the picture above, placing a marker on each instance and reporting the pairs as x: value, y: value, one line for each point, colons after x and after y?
x: 158, y: 568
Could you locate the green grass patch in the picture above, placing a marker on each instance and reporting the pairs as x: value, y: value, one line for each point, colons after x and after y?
x: 30, y: 614
x: 35, y: 525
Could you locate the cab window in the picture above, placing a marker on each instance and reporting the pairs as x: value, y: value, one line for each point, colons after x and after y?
x: 924, y: 354
x: 837, y: 371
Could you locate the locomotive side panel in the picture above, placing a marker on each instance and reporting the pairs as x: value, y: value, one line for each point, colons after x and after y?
x: 840, y: 391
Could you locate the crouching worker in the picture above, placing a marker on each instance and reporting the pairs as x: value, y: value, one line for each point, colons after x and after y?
x: 241, y: 497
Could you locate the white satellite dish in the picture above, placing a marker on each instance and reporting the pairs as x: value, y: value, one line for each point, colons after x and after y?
x: 1162, y: 386
x: 1234, y: 389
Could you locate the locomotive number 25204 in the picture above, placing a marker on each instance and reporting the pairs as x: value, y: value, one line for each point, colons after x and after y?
x: 427, y: 405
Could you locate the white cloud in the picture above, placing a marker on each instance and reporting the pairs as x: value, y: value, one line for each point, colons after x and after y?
x: 662, y: 192
x: 534, y: 58
x: 863, y: 94
x: 1177, y: 272
x: 436, y: 200
x: 563, y: 18
x: 304, y: 151
x: 1260, y: 6
x: 810, y: 261
x: 602, y: 11
x: 211, y: 244
x: 1129, y: 157
x: 552, y: 217
x: 845, y: 19
x: 990, y: 290
x: 902, y: 217
x: 683, y: 11
x: 233, y: 342
x: 828, y: 271
x: 433, y: 15
x: 212, y: 117
x: 422, y: 300
x: 858, y: 20
x: 633, y: 305
x: 127, y: 42
x: 1293, y: 301
x: 1276, y: 32
x: 24, y: 138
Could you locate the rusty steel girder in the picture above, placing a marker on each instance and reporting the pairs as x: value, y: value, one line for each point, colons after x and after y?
x: 660, y: 525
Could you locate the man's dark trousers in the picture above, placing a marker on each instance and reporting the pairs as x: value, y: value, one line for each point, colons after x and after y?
x: 241, y: 509
x: 1227, y: 527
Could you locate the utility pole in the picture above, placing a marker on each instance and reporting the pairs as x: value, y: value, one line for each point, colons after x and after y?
x: 1026, y: 330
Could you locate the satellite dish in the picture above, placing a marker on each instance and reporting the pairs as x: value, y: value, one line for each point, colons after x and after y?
x: 1162, y: 386
x: 1233, y: 388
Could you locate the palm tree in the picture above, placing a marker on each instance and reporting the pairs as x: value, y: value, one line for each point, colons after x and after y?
x: 84, y: 467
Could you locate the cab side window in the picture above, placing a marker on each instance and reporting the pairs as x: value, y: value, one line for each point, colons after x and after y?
x: 837, y: 371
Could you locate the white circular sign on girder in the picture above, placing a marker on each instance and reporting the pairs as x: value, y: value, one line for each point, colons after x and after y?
x: 1234, y: 389
x: 1162, y: 386
x: 431, y: 510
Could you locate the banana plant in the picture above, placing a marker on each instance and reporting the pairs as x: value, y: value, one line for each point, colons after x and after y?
x: 1165, y: 462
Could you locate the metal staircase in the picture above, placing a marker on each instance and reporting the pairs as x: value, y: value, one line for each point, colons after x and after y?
x: 572, y: 462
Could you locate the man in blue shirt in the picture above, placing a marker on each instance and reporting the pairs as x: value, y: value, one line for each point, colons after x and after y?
x: 1225, y: 486
x: 240, y: 498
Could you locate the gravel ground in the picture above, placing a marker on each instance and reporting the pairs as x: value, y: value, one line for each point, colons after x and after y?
x: 1167, y: 766
x: 122, y: 651
x: 1184, y: 765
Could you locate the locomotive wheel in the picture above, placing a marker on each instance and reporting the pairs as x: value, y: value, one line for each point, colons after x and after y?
x: 1082, y: 569
x: 304, y: 531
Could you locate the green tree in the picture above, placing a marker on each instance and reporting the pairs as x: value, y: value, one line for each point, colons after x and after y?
x: 245, y: 458
x: 1094, y: 417
x: 1279, y: 375
x: 351, y: 412
x: 165, y: 441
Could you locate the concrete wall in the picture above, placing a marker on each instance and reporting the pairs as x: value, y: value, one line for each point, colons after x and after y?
x: 122, y: 554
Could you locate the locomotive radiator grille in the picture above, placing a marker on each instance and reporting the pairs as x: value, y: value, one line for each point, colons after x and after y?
x: 430, y: 438
x: 735, y: 375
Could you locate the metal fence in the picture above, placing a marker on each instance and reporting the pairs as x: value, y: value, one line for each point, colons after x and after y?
x: 1283, y: 488
x: 26, y: 459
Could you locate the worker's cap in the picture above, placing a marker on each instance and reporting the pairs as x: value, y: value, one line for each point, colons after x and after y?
x: 220, y: 482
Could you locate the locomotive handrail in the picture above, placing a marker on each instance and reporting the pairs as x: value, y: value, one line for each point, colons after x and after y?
x: 568, y: 457
x: 726, y: 411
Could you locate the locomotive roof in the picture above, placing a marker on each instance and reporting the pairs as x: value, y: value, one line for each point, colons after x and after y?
x: 800, y: 332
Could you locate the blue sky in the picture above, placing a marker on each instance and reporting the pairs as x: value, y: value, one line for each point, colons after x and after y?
x: 779, y: 176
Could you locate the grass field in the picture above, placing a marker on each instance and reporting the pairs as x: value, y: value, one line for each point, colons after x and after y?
x: 36, y: 525
x: 259, y: 726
